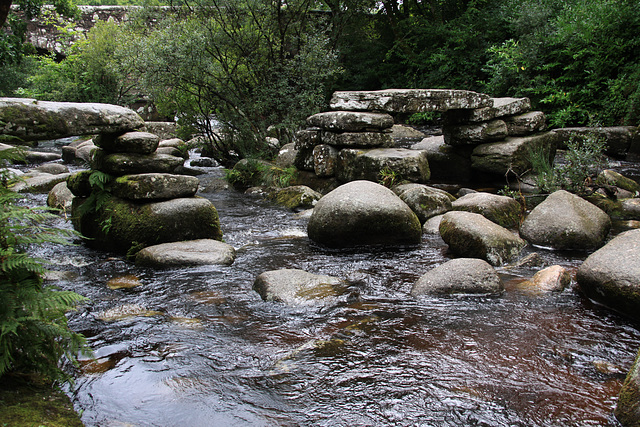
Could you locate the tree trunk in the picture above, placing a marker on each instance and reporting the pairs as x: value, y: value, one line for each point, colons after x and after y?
x: 5, y: 7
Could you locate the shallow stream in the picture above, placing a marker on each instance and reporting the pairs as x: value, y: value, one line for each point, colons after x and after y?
x: 198, y: 347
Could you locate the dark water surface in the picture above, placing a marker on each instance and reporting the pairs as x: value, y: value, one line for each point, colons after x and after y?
x: 204, y: 350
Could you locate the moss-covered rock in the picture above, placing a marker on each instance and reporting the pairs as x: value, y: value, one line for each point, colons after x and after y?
x: 120, y: 225
x: 405, y: 164
x: 296, y: 197
x: 79, y: 184
x: 132, y: 163
x: 423, y: 200
x: 504, y: 211
x: 154, y: 186
x: 628, y: 407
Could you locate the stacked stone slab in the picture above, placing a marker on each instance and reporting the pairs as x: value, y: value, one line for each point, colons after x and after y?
x: 354, y: 142
x: 498, y: 138
x: 149, y: 204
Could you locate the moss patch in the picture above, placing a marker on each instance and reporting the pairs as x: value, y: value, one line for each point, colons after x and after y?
x: 33, y: 403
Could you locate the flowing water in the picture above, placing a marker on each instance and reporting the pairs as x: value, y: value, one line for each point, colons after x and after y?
x: 198, y: 347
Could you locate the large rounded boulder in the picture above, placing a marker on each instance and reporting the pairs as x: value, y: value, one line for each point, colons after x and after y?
x: 611, y: 275
x: 363, y: 213
x: 297, y: 287
x: 566, y: 221
x: 425, y: 201
x: 502, y: 210
x: 471, y: 235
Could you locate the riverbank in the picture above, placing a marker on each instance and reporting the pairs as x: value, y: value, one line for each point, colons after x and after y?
x: 26, y: 401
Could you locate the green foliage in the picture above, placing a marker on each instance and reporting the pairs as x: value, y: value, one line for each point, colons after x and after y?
x: 576, y: 59
x: 389, y: 177
x: 583, y: 161
x: 100, y: 193
x: 91, y: 72
x: 231, y: 69
x: 33, y: 327
x: 252, y: 172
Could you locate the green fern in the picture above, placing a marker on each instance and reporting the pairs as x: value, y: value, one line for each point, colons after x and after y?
x: 34, y: 335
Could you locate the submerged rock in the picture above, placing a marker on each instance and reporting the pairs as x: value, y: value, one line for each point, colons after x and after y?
x: 295, y: 287
x: 552, y: 279
x: 187, y: 253
x: 363, y: 213
x: 296, y: 197
x: 566, y: 221
x: 472, y: 235
x: 611, y: 275
x: 459, y: 276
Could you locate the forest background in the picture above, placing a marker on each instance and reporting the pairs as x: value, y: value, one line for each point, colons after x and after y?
x: 260, y: 66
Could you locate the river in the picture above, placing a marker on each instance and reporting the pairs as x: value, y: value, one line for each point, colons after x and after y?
x: 203, y: 349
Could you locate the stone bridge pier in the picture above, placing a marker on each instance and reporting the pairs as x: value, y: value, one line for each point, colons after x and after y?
x: 481, y: 136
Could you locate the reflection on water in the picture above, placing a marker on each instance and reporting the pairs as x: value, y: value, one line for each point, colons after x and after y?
x: 196, y: 346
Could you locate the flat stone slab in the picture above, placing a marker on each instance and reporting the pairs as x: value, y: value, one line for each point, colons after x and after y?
x: 187, y: 253
x: 512, y: 154
x: 33, y: 120
x: 131, y: 163
x: 130, y: 142
x: 406, y: 164
x: 351, y: 121
x: 501, y: 107
x: 357, y: 139
x: 39, y: 183
x: 155, y: 186
x: 475, y: 133
x: 409, y: 100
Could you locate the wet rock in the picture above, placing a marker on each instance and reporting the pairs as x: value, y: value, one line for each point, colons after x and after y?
x: 127, y: 281
x: 351, y: 121
x: 120, y: 224
x: 60, y: 197
x: 297, y: 287
x: 52, y: 168
x: 363, y: 213
x: 410, y: 165
x: 357, y: 139
x: 630, y: 209
x: 204, y: 162
x: 41, y: 156
x: 566, y: 221
x: 459, y: 276
x: 472, y: 235
x: 432, y: 225
x: 130, y: 142
x: 611, y: 275
x: 32, y: 120
x: 627, y: 409
x: 424, y: 201
x: 409, y: 100
x: 131, y: 163
x: 551, y: 279
x: 296, y: 197
x: 126, y: 311
x: 512, y: 154
x: 38, y: 183
x: 325, y: 160
x: 154, y: 186
x: 502, y: 210
x: 472, y: 134
x: 187, y: 253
